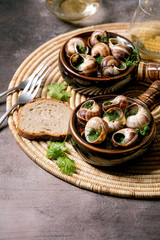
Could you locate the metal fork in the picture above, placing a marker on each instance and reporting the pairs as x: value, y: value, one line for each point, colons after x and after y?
x: 29, y: 91
x: 24, y: 83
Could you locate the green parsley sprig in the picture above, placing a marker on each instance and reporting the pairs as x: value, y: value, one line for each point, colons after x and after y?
x: 57, y: 91
x: 58, y: 150
x: 133, y: 59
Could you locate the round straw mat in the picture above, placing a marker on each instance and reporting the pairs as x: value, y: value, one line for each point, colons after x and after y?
x: 138, y: 179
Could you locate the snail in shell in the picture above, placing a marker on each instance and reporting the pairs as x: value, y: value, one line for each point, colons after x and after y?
x: 119, y: 49
x: 137, y: 116
x: 88, y: 110
x: 125, y: 137
x: 112, y: 66
x: 119, y: 101
x: 76, y: 45
x: 96, y: 130
x: 83, y: 63
x: 115, y: 119
x: 98, y: 36
x: 100, y: 49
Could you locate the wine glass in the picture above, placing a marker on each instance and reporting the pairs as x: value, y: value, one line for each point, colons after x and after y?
x: 145, y: 30
x: 73, y: 10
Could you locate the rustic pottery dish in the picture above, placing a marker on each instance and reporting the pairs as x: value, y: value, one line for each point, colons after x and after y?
x: 97, y: 85
x: 104, y: 156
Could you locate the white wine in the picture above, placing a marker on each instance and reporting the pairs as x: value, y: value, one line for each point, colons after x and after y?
x: 73, y: 10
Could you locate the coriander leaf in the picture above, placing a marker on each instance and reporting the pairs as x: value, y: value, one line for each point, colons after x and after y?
x: 66, y: 165
x: 57, y: 91
x: 56, y: 149
x: 145, y: 131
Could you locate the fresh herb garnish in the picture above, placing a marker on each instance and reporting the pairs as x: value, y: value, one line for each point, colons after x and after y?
x: 121, y: 66
x: 133, y: 59
x: 130, y: 112
x: 111, y: 115
x: 57, y: 151
x: 144, y: 131
x: 103, y: 39
x: 82, y: 49
x: 88, y: 105
x: 108, y: 103
x: 93, y: 135
x: 99, y: 59
x: 57, y: 91
x: 66, y: 165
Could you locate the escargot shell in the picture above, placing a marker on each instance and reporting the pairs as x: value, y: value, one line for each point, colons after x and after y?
x: 100, y: 49
x: 75, y: 45
x: 88, y: 110
x: 137, y: 116
x: 125, y: 137
x: 119, y: 101
x: 111, y: 66
x: 83, y: 63
x: 96, y: 130
x: 115, y: 119
x: 119, y: 49
x: 98, y: 36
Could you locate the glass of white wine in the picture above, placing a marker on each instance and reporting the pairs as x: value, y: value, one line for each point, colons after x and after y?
x: 73, y: 10
x: 145, y: 30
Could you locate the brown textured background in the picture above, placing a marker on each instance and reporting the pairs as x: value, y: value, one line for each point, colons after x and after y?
x: 33, y: 203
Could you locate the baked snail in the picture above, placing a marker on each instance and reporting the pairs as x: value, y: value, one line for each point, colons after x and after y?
x: 119, y: 49
x: 119, y: 101
x: 125, y: 137
x: 100, y: 49
x: 76, y: 45
x: 112, y: 66
x: 115, y: 119
x: 88, y: 110
x: 84, y: 64
x: 96, y: 130
x: 98, y: 36
x: 137, y: 116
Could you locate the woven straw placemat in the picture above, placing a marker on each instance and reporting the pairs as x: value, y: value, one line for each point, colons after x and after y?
x: 136, y: 179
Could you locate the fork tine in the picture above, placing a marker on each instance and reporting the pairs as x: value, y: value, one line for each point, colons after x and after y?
x: 34, y: 83
x: 37, y: 69
x: 39, y: 83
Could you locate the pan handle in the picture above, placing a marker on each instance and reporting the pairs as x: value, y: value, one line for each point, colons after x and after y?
x: 148, y: 71
x: 152, y: 95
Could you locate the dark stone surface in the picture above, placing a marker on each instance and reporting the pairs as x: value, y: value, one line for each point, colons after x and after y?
x: 33, y: 203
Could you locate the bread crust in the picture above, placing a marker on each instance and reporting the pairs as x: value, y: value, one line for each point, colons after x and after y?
x: 40, y: 135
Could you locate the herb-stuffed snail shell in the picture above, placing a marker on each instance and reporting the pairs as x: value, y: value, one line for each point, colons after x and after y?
x: 96, y: 130
x: 98, y: 36
x: 112, y: 66
x: 75, y: 45
x: 88, y: 110
x: 119, y: 49
x: 125, y: 137
x: 115, y: 119
x: 100, y: 49
x: 119, y: 101
x: 83, y: 63
x: 137, y: 116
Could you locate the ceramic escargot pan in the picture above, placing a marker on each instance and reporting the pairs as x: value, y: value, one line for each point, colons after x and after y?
x: 100, y: 59
x: 108, y: 130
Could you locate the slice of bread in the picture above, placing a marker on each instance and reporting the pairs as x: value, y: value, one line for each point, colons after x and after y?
x: 44, y: 118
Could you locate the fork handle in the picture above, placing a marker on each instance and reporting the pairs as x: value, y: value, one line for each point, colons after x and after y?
x: 7, y: 91
x: 6, y: 113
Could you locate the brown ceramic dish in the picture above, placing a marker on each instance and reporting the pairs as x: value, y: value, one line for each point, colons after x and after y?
x: 105, y: 84
x: 93, y: 86
x: 110, y: 157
